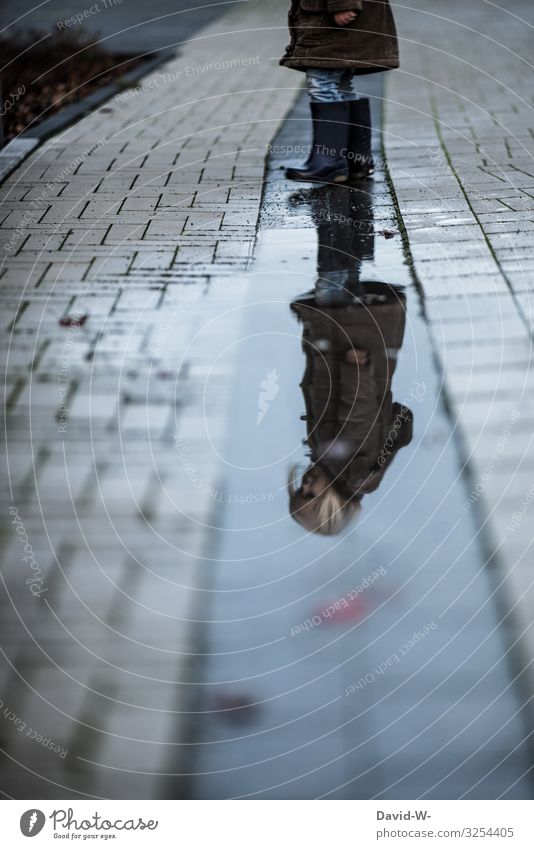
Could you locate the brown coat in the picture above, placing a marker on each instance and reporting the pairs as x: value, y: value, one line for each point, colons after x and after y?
x: 354, y: 426
x: 367, y: 45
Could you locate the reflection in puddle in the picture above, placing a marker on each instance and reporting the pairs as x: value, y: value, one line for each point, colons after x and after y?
x: 355, y: 652
x: 354, y: 428
x: 352, y: 332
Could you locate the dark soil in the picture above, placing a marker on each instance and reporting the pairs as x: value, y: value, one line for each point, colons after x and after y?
x: 43, y: 73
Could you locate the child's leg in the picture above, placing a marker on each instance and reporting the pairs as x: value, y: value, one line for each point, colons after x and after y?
x: 327, y: 161
x: 324, y: 85
x: 346, y: 85
x: 359, y: 152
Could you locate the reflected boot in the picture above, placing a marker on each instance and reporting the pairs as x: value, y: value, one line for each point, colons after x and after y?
x: 338, y: 288
x: 327, y: 163
x: 359, y: 157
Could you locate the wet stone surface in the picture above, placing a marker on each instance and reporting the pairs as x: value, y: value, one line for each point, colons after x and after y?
x: 122, y: 242
x: 371, y: 663
x: 174, y: 631
x: 462, y: 136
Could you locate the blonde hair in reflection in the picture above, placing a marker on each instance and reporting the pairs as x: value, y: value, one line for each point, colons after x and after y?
x: 327, y: 514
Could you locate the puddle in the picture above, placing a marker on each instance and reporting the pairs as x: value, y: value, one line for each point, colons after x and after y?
x: 367, y: 663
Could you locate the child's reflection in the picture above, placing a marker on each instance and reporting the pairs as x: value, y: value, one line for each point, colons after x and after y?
x: 352, y: 332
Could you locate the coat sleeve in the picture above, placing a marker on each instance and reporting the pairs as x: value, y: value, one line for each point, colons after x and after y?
x: 334, y: 6
x: 405, y: 431
x: 404, y: 435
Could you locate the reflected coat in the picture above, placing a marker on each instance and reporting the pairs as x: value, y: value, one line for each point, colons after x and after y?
x: 354, y: 427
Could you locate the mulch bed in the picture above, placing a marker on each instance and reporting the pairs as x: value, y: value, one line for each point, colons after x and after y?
x: 43, y: 73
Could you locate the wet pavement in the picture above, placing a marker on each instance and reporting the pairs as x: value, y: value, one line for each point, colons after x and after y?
x: 459, y: 145
x: 122, y: 237
x: 372, y: 664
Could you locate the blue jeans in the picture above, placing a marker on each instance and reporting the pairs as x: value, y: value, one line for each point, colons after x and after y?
x: 328, y: 85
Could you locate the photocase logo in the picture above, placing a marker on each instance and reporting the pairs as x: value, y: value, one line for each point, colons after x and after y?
x: 32, y: 822
x: 268, y: 391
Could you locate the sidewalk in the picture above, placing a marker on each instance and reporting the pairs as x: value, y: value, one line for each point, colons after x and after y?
x: 459, y: 146
x: 105, y: 230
